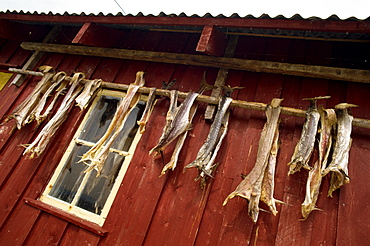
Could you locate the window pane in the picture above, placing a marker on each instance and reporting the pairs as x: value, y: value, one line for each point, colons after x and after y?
x: 98, y: 188
x: 92, y: 192
x: 71, y: 177
x: 99, y: 119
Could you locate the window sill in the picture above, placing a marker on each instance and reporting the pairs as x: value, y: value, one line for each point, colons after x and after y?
x: 92, y: 227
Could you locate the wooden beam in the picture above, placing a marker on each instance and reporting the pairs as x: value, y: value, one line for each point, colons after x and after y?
x: 221, y: 77
x: 212, y: 41
x: 365, y: 123
x: 36, y: 56
x: 266, y: 23
x: 322, y: 72
x: 92, y: 34
x: 87, y: 225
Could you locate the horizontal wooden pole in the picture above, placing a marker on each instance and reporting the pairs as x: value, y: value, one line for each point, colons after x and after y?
x: 364, y: 123
x: 322, y: 72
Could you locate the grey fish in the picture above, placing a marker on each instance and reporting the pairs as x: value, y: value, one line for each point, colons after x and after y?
x: 178, y: 118
x: 327, y: 121
x: 339, y: 164
x: 251, y: 187
x: 208, y: 152
x: 179, y: 122
x: 304, y: 147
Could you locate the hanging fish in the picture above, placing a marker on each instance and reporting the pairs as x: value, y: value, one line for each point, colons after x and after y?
x: 327, y: 121
x: 95, y: 157
x: 206, y: 156
x: 147, y: 111
x: 89, y: 90
x: 152, y: 100
x: 43, y: 138
x: 339, y: 164
x: 304, y: 147
x: 58, y: 79
x: 268, y: 182
x: 251, y: 188
x: 22, y: 112
x: 178, y: 122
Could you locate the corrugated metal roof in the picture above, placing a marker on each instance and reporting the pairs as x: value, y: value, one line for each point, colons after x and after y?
x: 208, y: 15
x: 313, y: 27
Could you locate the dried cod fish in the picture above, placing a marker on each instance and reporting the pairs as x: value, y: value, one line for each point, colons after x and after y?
x: 304, y: 147
x: 268, y: 182
x: 148, y: 110
x: 251, y: 188
x: 22, y: 112
x: 89, y: 90
x: 178, y: 122
x: 152, y: 100
x: 41, y: 141
x: 339, y: 164
x: 206, y: 156
x: 95, y: 157
x: 58, y: 79
x: 327, y: 122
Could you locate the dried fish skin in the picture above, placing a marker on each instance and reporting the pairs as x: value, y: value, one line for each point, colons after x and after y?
x: 339, y: 164
x: 95, y: 157
x: 39, y: 144
x: 89, y: 90
x: 148, y: 110
x: 22, y: 112
x: 251, y: 187
x: 305, y: 145
x: 268, y: 182
x: 204, y: 161
x: 177, y: 122
x: 327, y: 122
x: 58, y: 79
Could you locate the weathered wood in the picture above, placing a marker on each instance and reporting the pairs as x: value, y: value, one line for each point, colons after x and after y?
x: 313, y: 71
x: 212, y: 41
x: 221, y: 77
x: 66, y: 216
x: 36, y: 56
x: 364, y: 123
x: 92, y: 34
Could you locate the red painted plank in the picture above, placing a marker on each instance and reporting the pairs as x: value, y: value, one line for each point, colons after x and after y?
x: 212, y: 41
x: 47, y: 230
x: 8, y: 49
x: 92, y: 34
x: 13, y: 190
x: 215, y: 215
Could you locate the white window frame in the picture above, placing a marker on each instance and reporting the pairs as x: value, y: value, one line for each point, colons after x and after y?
x: 70, y: 208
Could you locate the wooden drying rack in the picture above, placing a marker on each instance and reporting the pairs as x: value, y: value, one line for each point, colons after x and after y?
x: 364, y: 123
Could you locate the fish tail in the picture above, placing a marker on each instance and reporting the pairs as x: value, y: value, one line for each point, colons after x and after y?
x: 204, y: 86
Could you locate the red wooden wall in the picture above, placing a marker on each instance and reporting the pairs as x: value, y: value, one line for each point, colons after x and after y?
x: 173, y: 210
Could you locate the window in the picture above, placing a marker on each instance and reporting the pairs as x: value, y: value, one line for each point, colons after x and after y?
x: 84, y: 194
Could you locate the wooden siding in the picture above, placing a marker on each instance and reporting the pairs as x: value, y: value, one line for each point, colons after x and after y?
x: 173, y: 210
